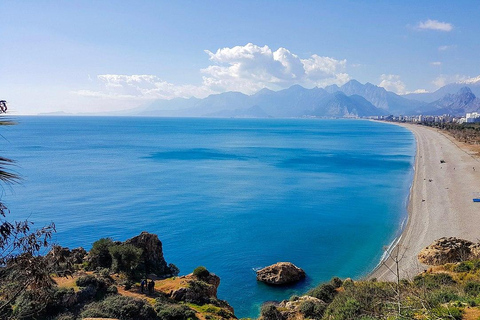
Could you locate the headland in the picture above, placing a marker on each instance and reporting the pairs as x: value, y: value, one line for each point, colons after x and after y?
x: 446, y: 178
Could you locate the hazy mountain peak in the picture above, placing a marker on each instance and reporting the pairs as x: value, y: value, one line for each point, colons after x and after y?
x: 457, y: 103
x: 465, y: 91
x: 263, y: 91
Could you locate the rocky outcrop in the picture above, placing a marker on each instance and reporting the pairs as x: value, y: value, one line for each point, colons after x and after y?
x: 152, y: 255
x: 200, y: 291
x: 280, y: 273
x: 301, y: 308
x: 449, y: 250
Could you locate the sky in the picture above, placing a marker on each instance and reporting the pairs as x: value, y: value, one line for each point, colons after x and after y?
x: 102, y: 56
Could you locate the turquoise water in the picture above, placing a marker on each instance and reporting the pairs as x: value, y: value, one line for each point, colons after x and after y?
x: 233, y: 195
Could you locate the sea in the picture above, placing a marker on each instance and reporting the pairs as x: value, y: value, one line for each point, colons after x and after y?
x: 233, y: 195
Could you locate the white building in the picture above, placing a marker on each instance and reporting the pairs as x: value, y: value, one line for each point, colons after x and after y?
x: 472, y: 117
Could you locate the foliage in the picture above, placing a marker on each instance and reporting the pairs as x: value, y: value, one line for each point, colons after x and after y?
x: 310, y: 309
x: 120, y: 307
x: 336, y: 282
x: 472, y: 288
x: 325, y: 292
x: 168, y: 311
x: 99, y: 256
x: 125, y: 258
x: 201, y: 272
x: 270, y: 312
x: 433, y: 280
x: 24, y: 273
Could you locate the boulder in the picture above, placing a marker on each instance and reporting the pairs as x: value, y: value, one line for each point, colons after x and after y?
x: 280, y: 273
x: 449, y: 250
x: 152, y: 255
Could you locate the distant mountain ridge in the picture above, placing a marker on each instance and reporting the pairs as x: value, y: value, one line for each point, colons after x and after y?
x: 352, y: 99
x: 457, y: 104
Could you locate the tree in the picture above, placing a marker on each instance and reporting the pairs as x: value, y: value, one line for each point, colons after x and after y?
x: 23, y: 271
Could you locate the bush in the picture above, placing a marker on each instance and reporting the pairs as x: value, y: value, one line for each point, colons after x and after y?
x: 325, y: 292
x: 120, y: 307
x: 442, y: 296
x: 348, y: 309
x: 99, y: 256
x: 174, y: 271
x: 433, y: 280
x: 174, y: 312
x: 270, y: 312
x: 125, y: 258
x: 201, y: 272
x: 442, y: 312
x: 336, y: 282
x: 472, y: 288
x: 313, y: 310
x: 87, y: 280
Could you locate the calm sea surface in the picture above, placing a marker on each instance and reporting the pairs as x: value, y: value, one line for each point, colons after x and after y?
x: 232, y: 195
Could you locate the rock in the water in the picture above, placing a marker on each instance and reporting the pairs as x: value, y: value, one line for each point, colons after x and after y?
x: 449, y: 250
x: 152, y: 255
x: 280, y: 273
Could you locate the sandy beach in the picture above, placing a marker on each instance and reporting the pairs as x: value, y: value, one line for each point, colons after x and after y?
x: 447, y: 174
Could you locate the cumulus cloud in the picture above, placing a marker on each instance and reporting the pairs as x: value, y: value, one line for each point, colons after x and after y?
x: 435, y: 25
x: 249, y: 68
x: 246, y: 69
x: 392, y: 82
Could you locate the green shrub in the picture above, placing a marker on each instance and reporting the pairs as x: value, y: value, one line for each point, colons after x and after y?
x: 442, y: 312
x: 325, y: 292
x: 472, y: 288
x: 87, y: 280
x: 464, y: 266
x: 120, y: 307
x: 348, y: 309
x: 433, y: 280
x: 125, y: 258
x: 174, y: 312
x: 270, y: 312
x: 310, y: 309
x: 201, y: 272
x: 99, y: 256
x: 336, y: 282
x: 442, y: 296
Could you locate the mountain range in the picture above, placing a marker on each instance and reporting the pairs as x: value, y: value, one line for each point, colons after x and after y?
x: 352, y: 99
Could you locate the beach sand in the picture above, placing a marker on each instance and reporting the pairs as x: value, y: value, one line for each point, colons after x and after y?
x: 440, y: 202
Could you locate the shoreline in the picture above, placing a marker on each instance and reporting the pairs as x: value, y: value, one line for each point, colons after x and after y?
x: 440, y: 201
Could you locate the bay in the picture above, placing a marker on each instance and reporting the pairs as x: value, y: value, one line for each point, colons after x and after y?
x: 233, y: 195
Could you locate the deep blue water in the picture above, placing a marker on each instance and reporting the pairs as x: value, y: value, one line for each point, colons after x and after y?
x: 230, y: 194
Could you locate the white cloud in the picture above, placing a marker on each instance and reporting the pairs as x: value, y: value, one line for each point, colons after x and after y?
x: 435, y: 25
x: 246, y: 69
x: 392, y: 82
x: 471, y: 80
x: 417, y: 91
x: 436, y: 63
x: 249, y: 68
x: 140, y: 87
x: 443, y: 79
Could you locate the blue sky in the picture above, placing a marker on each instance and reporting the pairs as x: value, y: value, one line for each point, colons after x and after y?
x: 94, y: 56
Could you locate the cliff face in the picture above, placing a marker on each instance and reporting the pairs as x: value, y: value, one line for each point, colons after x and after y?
x: 152, y: 255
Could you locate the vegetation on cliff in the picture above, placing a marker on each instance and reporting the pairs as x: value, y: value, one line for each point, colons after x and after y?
x: 450, y: 291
